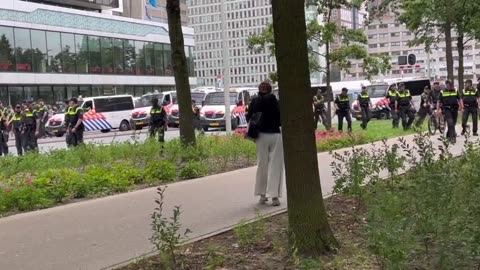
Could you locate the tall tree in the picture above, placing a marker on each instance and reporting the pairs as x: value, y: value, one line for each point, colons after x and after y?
x: 180, y: 70
x: 310, y: 231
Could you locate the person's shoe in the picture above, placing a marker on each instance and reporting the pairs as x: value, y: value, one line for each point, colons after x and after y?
x: 463, y: 132
x: 263, y: 199
x: 349, y: 130
x: 475, y: 134
x: 275, y: 202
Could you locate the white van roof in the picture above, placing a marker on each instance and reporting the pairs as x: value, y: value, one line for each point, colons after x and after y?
x: 103, y: 97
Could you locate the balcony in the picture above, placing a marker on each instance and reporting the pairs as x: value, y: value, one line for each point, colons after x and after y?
x: 88, y: 4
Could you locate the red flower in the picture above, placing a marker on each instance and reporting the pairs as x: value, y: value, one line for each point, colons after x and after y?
x: 7, y: 190
x: 28, y: 181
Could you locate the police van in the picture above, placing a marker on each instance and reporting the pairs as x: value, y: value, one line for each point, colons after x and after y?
x: 140, y: 116
x: 198, y: 95
x: 102, y: 113
x: 212, y: 114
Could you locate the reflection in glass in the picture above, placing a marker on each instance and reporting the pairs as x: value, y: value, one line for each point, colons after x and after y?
x: 81, y: 45
x: 130, y: 90
x: 39, y: 47
x: 130, y: 57
x: 95, y: 62
x: 191, y: 61
x: 59, y: 93
x: 72, y: 91
x: 107, y: 55
x: 139, y: 91
x: 150, y: 58
x: 23, y: 50
x: 54, y: 49
x: 68, y: 54
x: 118, y: 56
x: 85, y: 91
x: 140, y: 54
x: 31, y: 93
x: 167, y: 60
x: 7, y: 56
x: 16, y: 94
x: 159, y: 71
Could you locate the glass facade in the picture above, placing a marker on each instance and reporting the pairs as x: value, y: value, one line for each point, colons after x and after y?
x: 53, y: 94
x: 38, y: 51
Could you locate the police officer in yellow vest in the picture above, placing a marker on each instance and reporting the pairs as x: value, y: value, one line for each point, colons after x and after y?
x: 404, y: 107
x: 342, y: 106
x: 43, y: 116
x: 4, y: 118
x: 196, y: 116
x: 470, y: 98
x: 31, y: 123
x: 75, y: 125
x: 16, y: 124
x: 392, y: 96
x: 157, y: 121
x: 449, y: 103
x: 365, y: 106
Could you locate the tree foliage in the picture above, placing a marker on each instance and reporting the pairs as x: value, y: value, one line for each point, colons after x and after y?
x: 352, y: 44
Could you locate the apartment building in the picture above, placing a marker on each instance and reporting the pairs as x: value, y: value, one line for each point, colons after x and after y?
x: 143, y: 10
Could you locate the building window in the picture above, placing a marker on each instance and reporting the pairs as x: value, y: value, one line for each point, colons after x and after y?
x: 383, y: 26
x: 54, y: 49
x: 94, y: 55
x: 372, y: 27
x: 81, y: 45
x: 159, y: 59
x: 118, y: 56
x: 383, y: 35
x: 68, y: 55
x: 383, y: 45
x: 107, y: 55
x: 372, y: 46
x: 39, y: 47
x: 7, y: 44
x: 372, y: 36
x: 396, y: 53
x: 130, y: 56
x: 23, y: 50
x: 167, y: 60
x: 397, y: 34
x: 395, y: 44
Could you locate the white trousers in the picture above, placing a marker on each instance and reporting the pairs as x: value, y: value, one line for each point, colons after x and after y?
x: 270, y: 172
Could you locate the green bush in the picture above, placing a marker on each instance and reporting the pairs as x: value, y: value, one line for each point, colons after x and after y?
x: 159, y: 172
x: 58, y: 183
x: 192, y: 169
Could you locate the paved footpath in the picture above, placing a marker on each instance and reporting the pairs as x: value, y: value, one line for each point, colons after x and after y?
x: 97, y: 234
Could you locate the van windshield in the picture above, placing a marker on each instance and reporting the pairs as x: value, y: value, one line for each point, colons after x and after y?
x: 146, y: 101
x: 377, y: 91
x: 219, y: 99
x: 198, y: 97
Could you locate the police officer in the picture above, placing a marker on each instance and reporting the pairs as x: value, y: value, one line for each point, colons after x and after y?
x: 392, y: 96
x: 75, y: 123
x: 404, y: 107
x: 365, y: 106
x: 43, y: 116
x: 31, y: 128
x: 342, y: 106
x: 17, y: 125
x: 470, y: 98
x: 425, y: 106
x: 449, y: 103
x: 157, y: 121
x: 4, y: 118
x: 320, y: 112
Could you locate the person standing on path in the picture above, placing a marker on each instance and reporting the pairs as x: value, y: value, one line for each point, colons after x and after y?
x: 75, y: 126
x: 342, y: 106
x: 470, y: 99
x: 404, y: 107
x: 449, y: 103
x: 157, y: 121
x: 4, y: 133
x: 31, y: 128
x: 270, y: 173
x: 392, y: 96
x: 365, y: 106
x: 320, y: 111
x: 17, y: 126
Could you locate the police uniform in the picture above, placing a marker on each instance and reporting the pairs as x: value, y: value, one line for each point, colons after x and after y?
x: 404, y: 108
x: 449, y: 100
x: 30, y: 119
x: 343, y: 105
x: 320, y: 111
x: 196, y: 117
x: 470, y: 104
x: 364, y: 102
x: 3, y: 133
x: 392, y: 96
x: 157, y: 123
x: 75, y: 137
x: 43, y: 115
x: 425, y: 99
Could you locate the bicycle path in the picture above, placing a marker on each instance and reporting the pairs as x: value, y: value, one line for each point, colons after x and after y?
x: 97, y: 234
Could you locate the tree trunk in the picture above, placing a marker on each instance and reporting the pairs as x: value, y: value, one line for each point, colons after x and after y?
x: 180, y: 69
x: 308, y: 223
x: 449, y: 50
x: 460, y: 49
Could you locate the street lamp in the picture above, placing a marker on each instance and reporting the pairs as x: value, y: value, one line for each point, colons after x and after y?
x: 226, y: 67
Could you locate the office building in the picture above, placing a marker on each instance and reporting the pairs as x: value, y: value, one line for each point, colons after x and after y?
x: 59, y: 49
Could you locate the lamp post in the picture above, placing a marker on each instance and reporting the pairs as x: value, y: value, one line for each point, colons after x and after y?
x: 226, y: 67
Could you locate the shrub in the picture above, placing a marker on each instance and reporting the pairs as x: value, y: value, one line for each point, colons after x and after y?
x: 193, y: 169
x: 58, y: 183
x: 159, y: 171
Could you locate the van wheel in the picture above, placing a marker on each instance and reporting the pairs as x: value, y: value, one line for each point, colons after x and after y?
x: 235, y: 123
x: 383, y: 115
x: 124, y: 126
x: 205, y: 129
x: 105, y: 130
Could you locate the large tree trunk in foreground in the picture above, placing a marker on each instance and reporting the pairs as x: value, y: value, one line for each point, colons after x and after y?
x: 449, y: 49
x: 180, y: 69
x: 461, y: 69
x: 308, y: 224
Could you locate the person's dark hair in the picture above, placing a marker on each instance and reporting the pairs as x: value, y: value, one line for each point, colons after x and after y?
x: 265, y: 87
x: 469, y: 81
x: 344, y: 89
x: 155, y: 102
x: 448, y: 82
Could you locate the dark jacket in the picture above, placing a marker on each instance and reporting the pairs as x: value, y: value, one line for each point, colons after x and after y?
x: 268, y: 105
